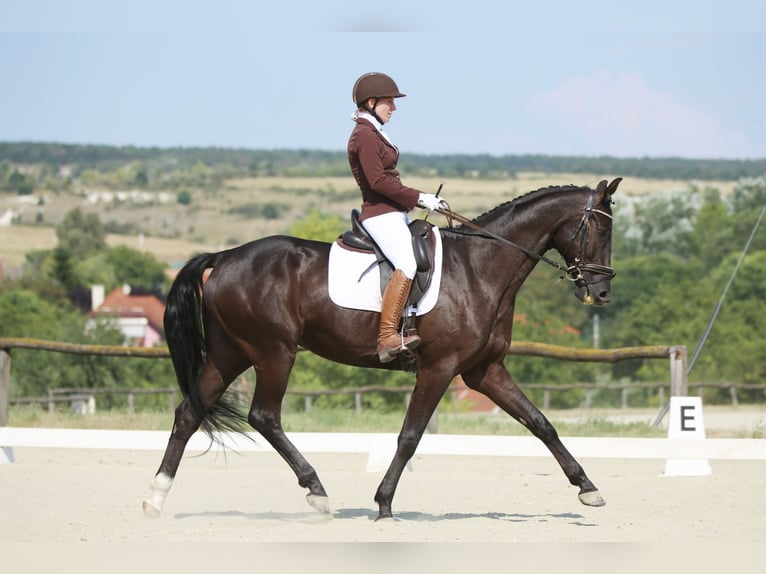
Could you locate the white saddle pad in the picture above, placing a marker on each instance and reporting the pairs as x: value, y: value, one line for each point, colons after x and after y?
x: 354, y: 282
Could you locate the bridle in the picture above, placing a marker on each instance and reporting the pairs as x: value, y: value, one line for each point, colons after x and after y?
x: 572, y: 272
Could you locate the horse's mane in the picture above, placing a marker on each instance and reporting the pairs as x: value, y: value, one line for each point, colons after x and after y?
x: 519, y: 201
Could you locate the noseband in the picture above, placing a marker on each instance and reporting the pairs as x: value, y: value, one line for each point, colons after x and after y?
x: 573, y: 272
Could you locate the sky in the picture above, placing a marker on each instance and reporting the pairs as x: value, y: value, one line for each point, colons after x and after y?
x: 625, y: 79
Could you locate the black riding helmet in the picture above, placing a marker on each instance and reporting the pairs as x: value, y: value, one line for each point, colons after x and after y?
x: 374, y: 85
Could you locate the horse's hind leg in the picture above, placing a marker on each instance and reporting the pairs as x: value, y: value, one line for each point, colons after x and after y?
x: 184, y: 426
x: 495, y: 382
x: 266, y: 417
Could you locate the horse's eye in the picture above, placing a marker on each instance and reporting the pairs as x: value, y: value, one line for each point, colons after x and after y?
x: 602, y: 232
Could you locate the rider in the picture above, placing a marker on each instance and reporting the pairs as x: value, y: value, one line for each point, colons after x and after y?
x: 385, y: 202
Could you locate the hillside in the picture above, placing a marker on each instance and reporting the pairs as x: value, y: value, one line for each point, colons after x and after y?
x: 174, y: 202
x: 242, y: 209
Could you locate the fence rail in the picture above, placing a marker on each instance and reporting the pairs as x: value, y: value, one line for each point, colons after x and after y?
x: 676, y: 354
x: 79, y: 398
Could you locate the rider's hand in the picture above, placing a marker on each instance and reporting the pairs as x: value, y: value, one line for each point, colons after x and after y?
x: 430, y: 202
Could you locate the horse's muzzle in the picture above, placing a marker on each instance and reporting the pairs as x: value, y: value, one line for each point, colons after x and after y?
x: 596, y: 294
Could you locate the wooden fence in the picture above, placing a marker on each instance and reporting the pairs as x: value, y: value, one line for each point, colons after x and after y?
x: 81, y: 399
x: 678, y: 384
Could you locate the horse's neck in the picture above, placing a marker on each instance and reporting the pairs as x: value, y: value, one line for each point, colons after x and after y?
x: 530, y: 223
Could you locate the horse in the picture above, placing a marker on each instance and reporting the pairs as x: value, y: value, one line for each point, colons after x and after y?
x: 254, y: 305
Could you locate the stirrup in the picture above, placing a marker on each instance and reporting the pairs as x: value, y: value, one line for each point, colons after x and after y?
x: 388, y: 354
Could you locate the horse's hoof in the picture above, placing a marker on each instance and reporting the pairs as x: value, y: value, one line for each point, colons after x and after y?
x: 151, y: 511
x: 592, y: 498
x: 320, y: 503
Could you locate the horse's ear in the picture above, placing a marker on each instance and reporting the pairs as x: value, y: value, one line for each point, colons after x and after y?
x: 601, y: 193
x: 604, y: 191
x: 613, y: 186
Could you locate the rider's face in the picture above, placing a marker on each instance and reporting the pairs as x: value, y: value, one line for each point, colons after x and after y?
x: 385, y: 108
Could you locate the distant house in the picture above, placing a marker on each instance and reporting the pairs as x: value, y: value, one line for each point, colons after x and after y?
x: 138, y: 316
x: 475, y: 401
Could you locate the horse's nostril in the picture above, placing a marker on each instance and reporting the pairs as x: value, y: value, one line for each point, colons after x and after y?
x: 605, y: 296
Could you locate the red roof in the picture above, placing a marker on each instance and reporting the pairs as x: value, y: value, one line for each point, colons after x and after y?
x: 126, y: 305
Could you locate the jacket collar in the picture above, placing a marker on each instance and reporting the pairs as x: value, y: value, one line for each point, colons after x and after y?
x: 375, y: 123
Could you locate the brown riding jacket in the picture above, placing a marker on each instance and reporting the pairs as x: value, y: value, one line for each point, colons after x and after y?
x: 373, y: 162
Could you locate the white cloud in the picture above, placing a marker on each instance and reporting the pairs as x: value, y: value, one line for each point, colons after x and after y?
x: 630, y: 119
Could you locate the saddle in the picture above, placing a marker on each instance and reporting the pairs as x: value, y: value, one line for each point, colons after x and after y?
x: 423, y: 246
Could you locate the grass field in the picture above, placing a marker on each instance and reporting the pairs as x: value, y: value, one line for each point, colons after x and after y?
x: 331, y: 420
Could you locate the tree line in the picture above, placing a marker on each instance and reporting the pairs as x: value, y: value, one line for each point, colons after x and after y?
x: 28, y: 165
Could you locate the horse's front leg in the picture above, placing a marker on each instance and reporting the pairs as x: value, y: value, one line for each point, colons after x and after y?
x: 428, y: 390
x: 495, y: 382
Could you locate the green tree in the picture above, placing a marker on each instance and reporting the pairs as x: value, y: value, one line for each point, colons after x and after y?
x: 63, y: 268
x: 122, y: 265
x: 184, y: 197
x: 81, y: 233
x: 136, y: 268
x: 747, y: 201
x: 141, y: 179
x: 712, y: 237
x: 20, y: 183
x: 24, y: 314
x: 734, y: 350
x: 664, y: 223
x: 319, y: 226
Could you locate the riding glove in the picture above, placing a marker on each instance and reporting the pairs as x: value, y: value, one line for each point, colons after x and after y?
x: 431, y: 202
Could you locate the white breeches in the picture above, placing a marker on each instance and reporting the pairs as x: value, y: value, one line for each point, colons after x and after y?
x: 392, y: 235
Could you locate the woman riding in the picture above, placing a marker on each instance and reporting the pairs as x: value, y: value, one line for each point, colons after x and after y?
x: 385, y: 202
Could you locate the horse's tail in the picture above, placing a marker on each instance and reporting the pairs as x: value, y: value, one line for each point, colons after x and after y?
x: 185, y: 336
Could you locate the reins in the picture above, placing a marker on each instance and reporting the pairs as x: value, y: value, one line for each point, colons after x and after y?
x: 450, y: 215
x: 572, y: 272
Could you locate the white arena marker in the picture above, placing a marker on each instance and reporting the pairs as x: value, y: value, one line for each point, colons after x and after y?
x: 686, y: 422
x: 381, y: 452
x: 6, y: 454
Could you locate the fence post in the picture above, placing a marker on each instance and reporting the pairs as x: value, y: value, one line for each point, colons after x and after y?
x: 131, y: 404
x: 5, y: 386
x: 733, y: 393
x: 358, y: 402
x: 679, y: 380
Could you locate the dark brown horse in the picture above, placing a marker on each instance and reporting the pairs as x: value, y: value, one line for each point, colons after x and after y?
x: 265, y: 299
